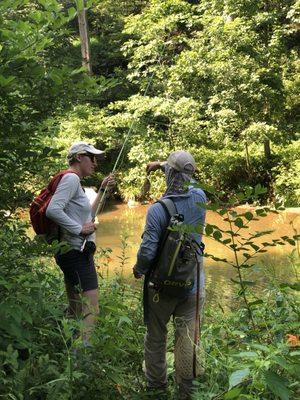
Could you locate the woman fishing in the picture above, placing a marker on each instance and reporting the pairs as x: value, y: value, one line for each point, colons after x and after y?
x: 71, y: 210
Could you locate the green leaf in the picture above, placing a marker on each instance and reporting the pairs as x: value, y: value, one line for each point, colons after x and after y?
x: 291, y: 242
x: 260, y: 212
x: 249, y: 283
x: 240, y: 196
x: 223, y: 211
x: 239, y: 222
x: 260, y: 347
x: 43, y: 3
x: 209, y: 230
x: 267, y: 244
x: 249, y: 216
x: 255, y: 303
x: 248, y: 192
x: 78, y: 71
x: 217, y: 235
x: 282, y: 362
x: 199, y: 228
x: 295, y: 353
x: 247, y: 265
x: 213, y: 207
x: 55, y: 77
x: 215, y: 258
x: 277, y: 384
x: 6, y: 81
x: 246, y: 354
x: 254, y: 246
x: 233, y: 393
x: 261, y: 233
x: 72, y: 12
x: 237, y: 377
x: 80, y: 5
x: 259, y: 189
x: 124, y: 320
x: 226, y: 241
x: 206, y: 188
x: 294, y: 286
x: 246, y: 255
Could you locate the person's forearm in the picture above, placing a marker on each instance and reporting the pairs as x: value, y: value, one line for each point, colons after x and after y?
x: 146, y: 255
x: 155, y: 165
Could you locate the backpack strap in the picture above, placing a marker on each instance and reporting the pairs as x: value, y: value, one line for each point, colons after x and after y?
x: 170, y: 210
x: 169, y: 206
x: 52, y: 186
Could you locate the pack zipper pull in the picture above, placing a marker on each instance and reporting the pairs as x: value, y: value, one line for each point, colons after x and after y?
x: 156, y: 298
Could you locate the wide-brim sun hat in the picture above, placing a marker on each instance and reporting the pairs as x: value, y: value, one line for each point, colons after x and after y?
x: 83, y: 148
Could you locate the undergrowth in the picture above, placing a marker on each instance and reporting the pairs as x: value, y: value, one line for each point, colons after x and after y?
x: 41, y: 359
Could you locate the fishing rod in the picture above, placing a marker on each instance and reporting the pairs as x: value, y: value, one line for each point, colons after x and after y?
x: 102, y: 200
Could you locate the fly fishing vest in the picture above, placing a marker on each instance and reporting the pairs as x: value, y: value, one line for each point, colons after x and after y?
x: 174, y: 269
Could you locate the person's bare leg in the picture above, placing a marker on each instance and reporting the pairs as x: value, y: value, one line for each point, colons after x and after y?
x: 75, y: 303
x: 90, y: 310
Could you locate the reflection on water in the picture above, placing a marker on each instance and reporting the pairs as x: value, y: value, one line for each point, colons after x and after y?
x: 119, y: 221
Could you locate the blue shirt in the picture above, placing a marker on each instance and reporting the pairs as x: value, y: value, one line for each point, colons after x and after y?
x: 157, y: 221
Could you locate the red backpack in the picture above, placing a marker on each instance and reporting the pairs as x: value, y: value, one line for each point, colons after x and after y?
x: 40, y: 223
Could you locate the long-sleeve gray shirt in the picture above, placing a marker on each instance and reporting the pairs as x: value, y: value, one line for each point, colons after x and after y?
x: 70, y: 209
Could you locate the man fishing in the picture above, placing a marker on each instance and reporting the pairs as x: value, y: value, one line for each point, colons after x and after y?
x: 160, y: 301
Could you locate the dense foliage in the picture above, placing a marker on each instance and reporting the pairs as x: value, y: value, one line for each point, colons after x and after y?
x: 220, y: 79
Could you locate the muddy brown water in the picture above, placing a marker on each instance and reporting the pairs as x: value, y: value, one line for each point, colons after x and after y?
x: 120, y: 224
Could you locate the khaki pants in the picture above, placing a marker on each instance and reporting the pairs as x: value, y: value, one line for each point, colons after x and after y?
x: 183, y: 312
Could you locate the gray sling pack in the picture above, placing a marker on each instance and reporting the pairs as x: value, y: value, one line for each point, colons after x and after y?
x: 174, y: 269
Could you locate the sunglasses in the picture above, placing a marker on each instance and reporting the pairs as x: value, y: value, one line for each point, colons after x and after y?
x: 92, y: 157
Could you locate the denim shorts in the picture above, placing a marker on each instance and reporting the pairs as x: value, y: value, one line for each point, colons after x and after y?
x: 79, y: 268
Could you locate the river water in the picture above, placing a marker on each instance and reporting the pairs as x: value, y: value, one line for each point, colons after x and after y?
x: 119, y: 235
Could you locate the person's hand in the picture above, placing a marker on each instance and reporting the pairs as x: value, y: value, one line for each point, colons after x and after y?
x: 109, y: 182
x: 153, y: 166
x: 88, y: 228
x: 136, y: 274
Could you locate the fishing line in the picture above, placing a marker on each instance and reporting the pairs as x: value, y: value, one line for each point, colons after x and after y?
x: 132, y: 123
x: 102, y: 200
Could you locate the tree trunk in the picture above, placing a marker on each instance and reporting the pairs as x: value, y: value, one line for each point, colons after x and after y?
x: 267, y: 149
x: 84, y: 38
x: 248, y: 163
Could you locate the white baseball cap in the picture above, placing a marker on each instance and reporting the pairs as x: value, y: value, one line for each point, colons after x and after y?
x: 182, y: 161
x: 83, y: 148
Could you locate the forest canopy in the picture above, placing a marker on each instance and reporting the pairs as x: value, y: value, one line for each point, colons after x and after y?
x: 217, y: 78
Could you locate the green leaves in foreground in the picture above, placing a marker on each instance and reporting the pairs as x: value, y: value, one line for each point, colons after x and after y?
x: 233, y: 393
x: 237, y: 377
x: 278, y: 385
